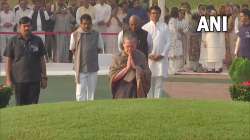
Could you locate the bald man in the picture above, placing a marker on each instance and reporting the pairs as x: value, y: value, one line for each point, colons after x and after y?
x: 145, y: 42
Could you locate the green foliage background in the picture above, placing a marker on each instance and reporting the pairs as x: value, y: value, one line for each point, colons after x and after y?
x: 240, y: 70
x: 240, y: 93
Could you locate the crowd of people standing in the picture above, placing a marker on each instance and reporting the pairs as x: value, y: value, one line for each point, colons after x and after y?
x: 145, y: 51
x: 189, y: 50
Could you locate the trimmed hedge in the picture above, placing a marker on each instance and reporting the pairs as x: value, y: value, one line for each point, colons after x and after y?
x: 240, y: 70
x: 240, y: 75
x: 240, y: 92
x: 5, y: 94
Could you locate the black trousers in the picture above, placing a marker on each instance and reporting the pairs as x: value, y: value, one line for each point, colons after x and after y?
x: 27, y: 93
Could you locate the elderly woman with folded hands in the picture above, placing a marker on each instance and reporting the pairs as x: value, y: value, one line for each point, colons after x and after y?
x: 130, y: 74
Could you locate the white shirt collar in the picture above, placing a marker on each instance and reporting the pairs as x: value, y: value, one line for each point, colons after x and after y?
x: 157, y: 23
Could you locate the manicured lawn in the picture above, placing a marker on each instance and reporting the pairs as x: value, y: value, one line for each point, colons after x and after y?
x: 164, y: 119
x: 62, y: 88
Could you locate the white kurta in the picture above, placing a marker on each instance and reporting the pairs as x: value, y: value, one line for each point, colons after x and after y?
x: 83, y: 10
x: 22, y: 13
x: 5, y: 18
x: 176, y: 42
x: 176, y: 49
x: 212, y: 56
x: 103, y: 13
x: 161, y: 42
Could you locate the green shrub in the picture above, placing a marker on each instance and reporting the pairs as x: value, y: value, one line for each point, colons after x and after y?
x: 240, y: 92
x: 5, y: 94
x: 240, y: 70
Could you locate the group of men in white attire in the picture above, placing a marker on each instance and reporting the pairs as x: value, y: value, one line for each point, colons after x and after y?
x: 157, y: 58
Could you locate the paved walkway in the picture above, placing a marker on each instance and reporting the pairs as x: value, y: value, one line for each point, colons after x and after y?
x: 186, y: 85
x: 199, y: 90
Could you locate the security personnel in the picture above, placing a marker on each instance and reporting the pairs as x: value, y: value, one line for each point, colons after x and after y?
x: 25, y: 65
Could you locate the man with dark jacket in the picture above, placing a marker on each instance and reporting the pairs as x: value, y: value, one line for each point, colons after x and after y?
x: 144, y: 39
x: 39, y: 19
x: 243, y: 45
x: 25, y: 64
x: 85, y: 43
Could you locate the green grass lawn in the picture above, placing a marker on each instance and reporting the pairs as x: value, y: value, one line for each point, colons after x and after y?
x: 164, y: 119
x: 62, y: 88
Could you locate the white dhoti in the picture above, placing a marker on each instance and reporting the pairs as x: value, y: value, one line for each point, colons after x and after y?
x: 212, y: 51
x: 157, y: 87
x: 85, y: 90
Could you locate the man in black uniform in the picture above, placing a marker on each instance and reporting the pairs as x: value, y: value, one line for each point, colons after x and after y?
x: 25, y: 65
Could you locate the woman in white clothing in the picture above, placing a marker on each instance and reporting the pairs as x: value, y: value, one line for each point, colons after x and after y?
x: 212, y: 50
x: 175, y: 55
